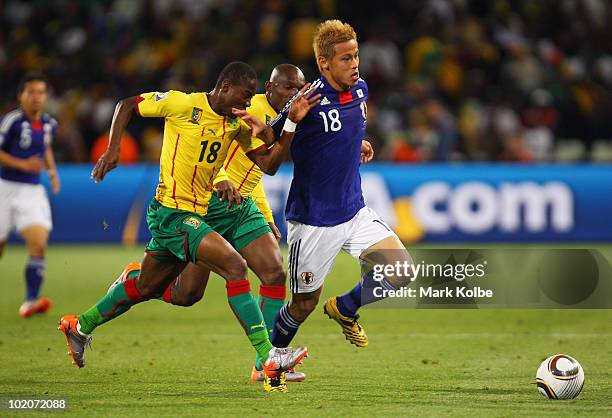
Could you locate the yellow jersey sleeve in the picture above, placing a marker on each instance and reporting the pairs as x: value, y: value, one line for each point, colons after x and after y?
x: 259, y: 197
x: 221, y: 176
x: 170, y: 104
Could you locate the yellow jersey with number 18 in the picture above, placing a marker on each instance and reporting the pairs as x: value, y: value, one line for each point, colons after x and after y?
x: 195, y: 145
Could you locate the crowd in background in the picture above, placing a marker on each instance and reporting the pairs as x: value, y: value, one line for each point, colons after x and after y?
x: 449, y: 80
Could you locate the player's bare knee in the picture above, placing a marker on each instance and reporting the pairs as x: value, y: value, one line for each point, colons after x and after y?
x: 275, y: 276
x: 36, y: 247
x: 235, y: 269
x: 184, y: 301
x: 187, y: 299
x: 37, y: 251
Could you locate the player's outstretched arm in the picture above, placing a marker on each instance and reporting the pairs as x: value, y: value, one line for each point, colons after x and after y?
x: 270, y: 159
x: 110, y: 158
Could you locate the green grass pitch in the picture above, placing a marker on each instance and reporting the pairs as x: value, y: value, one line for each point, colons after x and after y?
x: 168, y: 361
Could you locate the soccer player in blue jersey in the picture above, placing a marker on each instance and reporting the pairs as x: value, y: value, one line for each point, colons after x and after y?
x: 325, y: 207
x: 25, y: 151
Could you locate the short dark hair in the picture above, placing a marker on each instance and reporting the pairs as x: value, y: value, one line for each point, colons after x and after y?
x: 32, y: 76
x: 237, y: 72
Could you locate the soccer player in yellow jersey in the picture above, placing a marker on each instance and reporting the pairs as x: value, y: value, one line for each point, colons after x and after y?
x: 245, y: 227
x: 198, y: 131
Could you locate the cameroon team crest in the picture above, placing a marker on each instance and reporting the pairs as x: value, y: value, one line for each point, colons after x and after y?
x: 196, y: 115
x: 193, y: 222
x: 233, y: 122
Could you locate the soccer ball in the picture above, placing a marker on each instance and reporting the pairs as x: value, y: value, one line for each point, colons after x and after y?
x: 560, y: 377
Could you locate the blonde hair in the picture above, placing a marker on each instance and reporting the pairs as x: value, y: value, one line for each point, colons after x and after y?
x: 330, y: 33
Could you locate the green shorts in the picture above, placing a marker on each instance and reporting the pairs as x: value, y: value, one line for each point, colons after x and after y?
x: 238, y: 225
x: 175, y: 233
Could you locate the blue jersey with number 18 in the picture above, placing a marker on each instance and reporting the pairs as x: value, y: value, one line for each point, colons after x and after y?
x: 326, y: 152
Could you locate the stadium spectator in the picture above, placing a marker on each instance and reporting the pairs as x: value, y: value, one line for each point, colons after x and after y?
x: 465, y: 54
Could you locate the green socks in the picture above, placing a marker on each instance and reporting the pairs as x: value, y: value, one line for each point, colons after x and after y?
x: 123, y: 296
x: 271, y: 300
x: 119, y: 300
x: 248, y: 314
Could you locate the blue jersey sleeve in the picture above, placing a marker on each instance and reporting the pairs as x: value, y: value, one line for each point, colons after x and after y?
x: 7, y: 131
x: 279, y: 121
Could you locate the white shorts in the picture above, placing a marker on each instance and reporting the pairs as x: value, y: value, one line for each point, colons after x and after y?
x: 22, y: 205
x: 313, y: 249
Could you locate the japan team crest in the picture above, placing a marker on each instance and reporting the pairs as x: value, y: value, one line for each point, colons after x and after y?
x: 307, y: 277
x: 193, y: 222
x: 196, y: 115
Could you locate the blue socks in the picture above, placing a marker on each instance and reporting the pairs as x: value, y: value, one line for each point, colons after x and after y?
x: 33, y: 277
x: 362, y: 294
x: 349, y: 303
x: 285, y: 328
